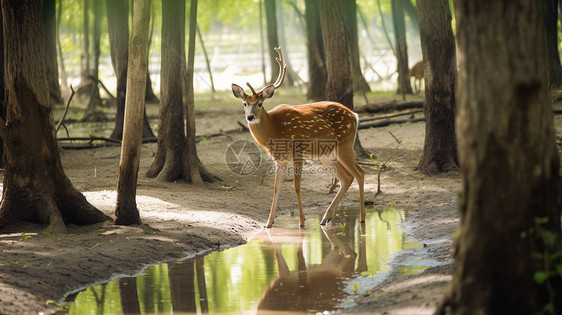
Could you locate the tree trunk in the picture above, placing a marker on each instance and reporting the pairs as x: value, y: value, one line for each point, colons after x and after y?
x: 65, y: 88
x: 551, y: 25
x: 49, y: 20
x: 95, y: 98
x: 126, y: 211
x: 438, y: 49
x: 339, y: 86
x: 176, y: 158
x: 509, y: 233
x: 404, y: 86
x: 315, y: 52
x: 272, y: 36
x: 359, y: 83
x: 192, y: 160
x: 150, y: 97
x: 85, y: 58
x: 35, y: 186
x: 118, y: 28
x: 168, y: 161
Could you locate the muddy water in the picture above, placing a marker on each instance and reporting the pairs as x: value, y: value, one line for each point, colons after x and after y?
x: 285, y: 269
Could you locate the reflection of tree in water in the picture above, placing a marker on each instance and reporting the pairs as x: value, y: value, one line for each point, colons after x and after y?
x: 183, y: 278
x: 129, y: 295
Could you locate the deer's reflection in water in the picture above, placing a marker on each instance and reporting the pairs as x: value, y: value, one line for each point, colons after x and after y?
x: 316, y: 287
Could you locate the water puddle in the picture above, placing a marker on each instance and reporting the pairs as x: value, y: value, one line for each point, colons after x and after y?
x: 282, y: 269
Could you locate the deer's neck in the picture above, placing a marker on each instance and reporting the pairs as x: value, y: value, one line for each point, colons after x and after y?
x: 264, y: 129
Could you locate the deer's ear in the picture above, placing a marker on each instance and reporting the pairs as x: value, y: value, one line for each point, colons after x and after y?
x: 268, y: 92
x: 238, y: 91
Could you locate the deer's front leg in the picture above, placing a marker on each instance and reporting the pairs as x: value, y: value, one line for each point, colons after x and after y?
x: 279, y: 176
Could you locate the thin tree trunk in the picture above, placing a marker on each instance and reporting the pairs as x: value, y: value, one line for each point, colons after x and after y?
x: 95, y: 98
x: 359, y: 83
x: 150, y: 96
x: 315, y: 52
x: 438, y: 48
x: 49, y: 20
x: 65, y: 88
x: 272, y: 36
x: 404, y: 86
x: 191, y: 159
x: 552, y: 42
x: 207, y: 62
x: 126, y: 211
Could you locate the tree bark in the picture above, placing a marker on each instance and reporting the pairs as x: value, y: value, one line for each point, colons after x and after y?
x: 176, y: 158
x: 438, y: 49
x: 49, y: 20
x: 36, y: 188
x: 118, y: 28
x: 511, y: 197
x: 339, y: 86
x: 551, y: 25
x: 272, y: 36
x: 192, y: 160
x: 359, y: 83
x: 168, y: 161
x: 404, y: 86
x: 315, y: 52
x: 94, y: 97
x: 126, y: 211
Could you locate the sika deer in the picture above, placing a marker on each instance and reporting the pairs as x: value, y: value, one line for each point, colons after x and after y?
x: 417, y: 73
x: 321, y: 131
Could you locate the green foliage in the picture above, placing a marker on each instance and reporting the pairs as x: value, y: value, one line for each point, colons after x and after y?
x: 548, y: 258
x: 24, y: 237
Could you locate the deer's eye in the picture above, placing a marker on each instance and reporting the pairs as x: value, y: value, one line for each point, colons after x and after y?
x: 259, y: 104
x: 245, y: 104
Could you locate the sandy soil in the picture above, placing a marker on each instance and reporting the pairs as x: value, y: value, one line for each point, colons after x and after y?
x: 184, y: 220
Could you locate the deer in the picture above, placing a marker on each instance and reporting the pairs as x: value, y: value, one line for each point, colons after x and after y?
x: 322, y: 131
x: 417, y: 72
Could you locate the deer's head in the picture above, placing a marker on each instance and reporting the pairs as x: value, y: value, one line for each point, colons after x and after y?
x: 253, y: 103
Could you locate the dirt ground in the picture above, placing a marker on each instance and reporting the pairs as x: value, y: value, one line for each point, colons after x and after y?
x: 182, y: 220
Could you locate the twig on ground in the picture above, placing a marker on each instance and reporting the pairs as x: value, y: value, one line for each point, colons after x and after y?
x: 66, y: 109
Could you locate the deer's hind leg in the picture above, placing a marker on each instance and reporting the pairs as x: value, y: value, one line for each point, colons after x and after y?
x: 347, y: 159
x: 345, y: 179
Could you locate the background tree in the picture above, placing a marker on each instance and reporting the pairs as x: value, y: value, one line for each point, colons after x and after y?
x: 50, y: 23
x: 438, y: 49
x: 401, y: 46
x: 118, y: 27
x: 509, y: 233
x: 36, y: 188
x: 315, y: 53
x: 551, y: 25
x: 94, y: 95
x: 272, y: 35
x: 359, y: 82
x: 339, y: 86
x: 126, y: 211
x: 176, y: 153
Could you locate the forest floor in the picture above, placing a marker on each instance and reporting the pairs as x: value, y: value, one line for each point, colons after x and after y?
x: 180, y: 219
